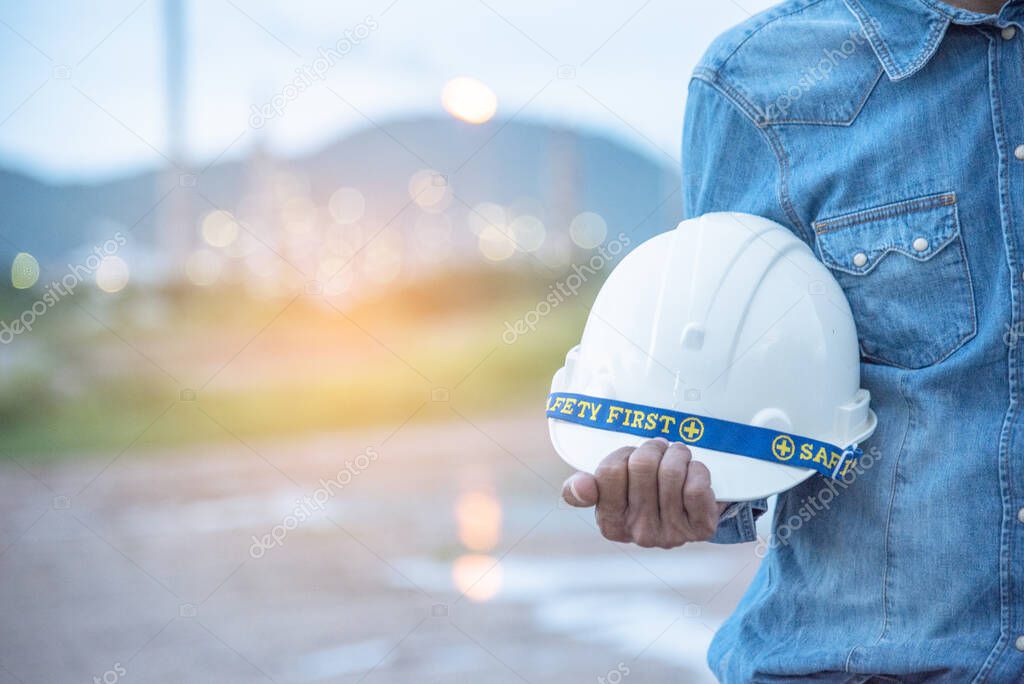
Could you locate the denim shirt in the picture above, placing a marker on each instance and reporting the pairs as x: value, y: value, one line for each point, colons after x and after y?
x: 889, y: 136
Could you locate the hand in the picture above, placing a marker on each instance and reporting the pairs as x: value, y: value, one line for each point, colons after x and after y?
x: 651, y: 495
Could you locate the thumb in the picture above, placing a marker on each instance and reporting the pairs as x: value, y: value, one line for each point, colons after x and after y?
x: 580, y: 490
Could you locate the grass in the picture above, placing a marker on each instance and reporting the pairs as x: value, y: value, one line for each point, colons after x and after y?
x: 102, y: 381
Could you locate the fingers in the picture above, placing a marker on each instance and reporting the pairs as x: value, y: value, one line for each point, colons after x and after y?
x: 580, y: 490
x: 642, y: 516
x: 652, y: 495
x: 699, y: 501
x: 612, y: 478
x: 671, y: 479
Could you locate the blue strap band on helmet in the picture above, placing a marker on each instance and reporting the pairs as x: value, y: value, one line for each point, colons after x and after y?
x: 708, y: 433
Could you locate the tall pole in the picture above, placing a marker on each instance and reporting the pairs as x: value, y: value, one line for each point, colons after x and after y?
x: 176, y: 230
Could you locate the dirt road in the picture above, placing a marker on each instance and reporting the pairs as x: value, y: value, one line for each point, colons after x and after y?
x: 438, y: 551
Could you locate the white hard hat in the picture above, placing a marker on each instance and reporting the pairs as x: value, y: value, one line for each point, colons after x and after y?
x: 728, y: 335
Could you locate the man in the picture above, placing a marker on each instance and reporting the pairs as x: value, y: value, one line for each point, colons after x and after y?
x: 889, y: 136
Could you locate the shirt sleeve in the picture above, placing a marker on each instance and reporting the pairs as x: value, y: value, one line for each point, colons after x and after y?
x: 739, y: 522
x: 729, y: 165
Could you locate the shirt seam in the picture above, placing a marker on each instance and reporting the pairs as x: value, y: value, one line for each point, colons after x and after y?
x: 833, y: 122
x: 869, y: 24
x: 912, y: 206
x: 888, y: 524
x: 1005, y: 480
x: 734, y: 97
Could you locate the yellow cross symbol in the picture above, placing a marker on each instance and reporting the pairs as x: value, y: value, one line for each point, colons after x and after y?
x: 783, y: 447
x: 691, y: 429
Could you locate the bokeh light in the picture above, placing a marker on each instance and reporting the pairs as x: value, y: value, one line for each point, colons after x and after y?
x: 347, y: 205
x: 240, y: 247
x: 469, y: 100
x: 219, y: 228
x: 112, y: 274
x: 588, y: 230
x: 487, y: 215
x: 204, y: 267
x: 528, y: 232
x: 495, y: 244
x: 24, y: 271
x: 429, y: 189
x: 478, y: 577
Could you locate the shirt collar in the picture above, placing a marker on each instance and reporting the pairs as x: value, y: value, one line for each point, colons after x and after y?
x: 905, y: 34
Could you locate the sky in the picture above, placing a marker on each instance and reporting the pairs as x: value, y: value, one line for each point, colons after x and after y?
x: 84, y: 83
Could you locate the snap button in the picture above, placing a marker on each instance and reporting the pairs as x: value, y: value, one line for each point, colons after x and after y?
x: 1019, y: 643
x: 1009, y: 32
x: 859, y: 259
x: 920, y: 244
x: 1020, y: 515
x: 1019, y: 152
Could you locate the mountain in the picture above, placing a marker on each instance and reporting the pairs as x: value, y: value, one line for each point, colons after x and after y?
x: 550, y: 172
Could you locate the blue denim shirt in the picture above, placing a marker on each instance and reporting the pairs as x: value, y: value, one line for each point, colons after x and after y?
x: 889, y: 136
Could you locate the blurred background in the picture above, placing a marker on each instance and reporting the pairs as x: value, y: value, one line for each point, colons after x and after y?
x: 283, y: 288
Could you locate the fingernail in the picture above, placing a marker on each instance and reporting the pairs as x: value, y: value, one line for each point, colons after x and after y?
x: 572, y: 490
x: 662, y: 440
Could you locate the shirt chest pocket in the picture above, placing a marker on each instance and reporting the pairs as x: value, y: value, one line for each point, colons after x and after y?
x: 905, y: 274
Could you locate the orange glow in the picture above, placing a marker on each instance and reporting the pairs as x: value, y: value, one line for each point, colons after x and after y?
x: 469, y: 100
x: 478, y: 515
x: 382, y: 258
x: 478, y: 577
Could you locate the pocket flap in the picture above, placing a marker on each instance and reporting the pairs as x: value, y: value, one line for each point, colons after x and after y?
x: 918, y: 228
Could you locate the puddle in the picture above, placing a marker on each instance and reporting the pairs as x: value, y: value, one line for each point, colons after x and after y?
x: 353, y: 658
x: 646, y: 608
